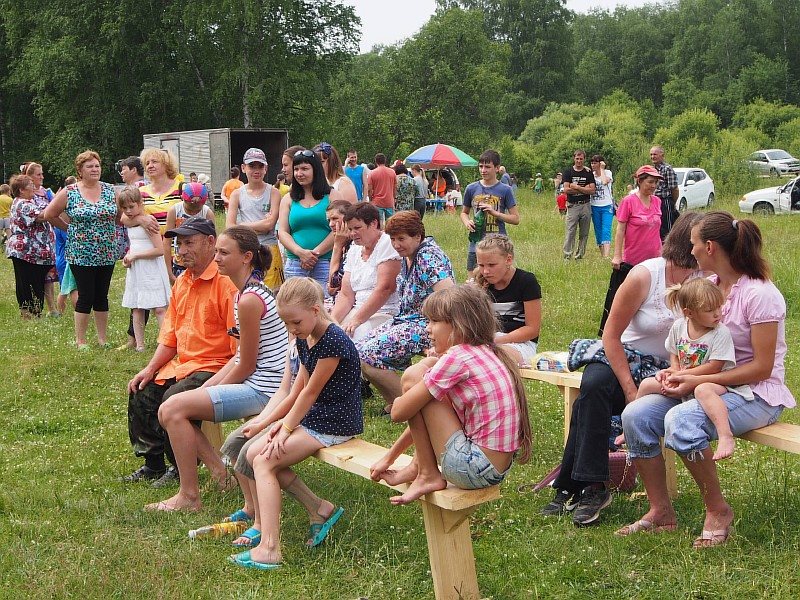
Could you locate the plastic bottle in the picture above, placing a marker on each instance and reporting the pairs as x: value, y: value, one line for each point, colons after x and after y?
x: 480, y: 223
x: 218, y: 530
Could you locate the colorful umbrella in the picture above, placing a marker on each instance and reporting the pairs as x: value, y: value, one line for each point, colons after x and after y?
x: 440, y: 155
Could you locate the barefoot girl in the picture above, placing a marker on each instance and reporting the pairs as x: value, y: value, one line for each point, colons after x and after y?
x: 147, y: 281
x: 244, y: 385
x: 700, y: 345
x: 467, y: 407
x: 323, y: 409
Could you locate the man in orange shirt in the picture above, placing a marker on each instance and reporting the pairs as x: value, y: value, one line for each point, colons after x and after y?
x: 193, y: 345
x: 381, y: 183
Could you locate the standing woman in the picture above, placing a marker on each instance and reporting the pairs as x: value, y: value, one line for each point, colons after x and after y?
x: 42, y: 197
x: 516, y: 297
x: 334, y: 172
x: 420, y: 190
x: 405, y: 188
x: 303, y: 226
x: 602, y: 203
x: 28, y: 246
x: 91, y: 206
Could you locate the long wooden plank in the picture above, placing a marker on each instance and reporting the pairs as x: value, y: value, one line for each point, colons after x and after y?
x: 357, y: 456
x: 783, y: 436
x: 571, y: 380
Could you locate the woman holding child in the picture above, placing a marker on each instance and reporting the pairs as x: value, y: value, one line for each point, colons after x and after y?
x: 754, y: 312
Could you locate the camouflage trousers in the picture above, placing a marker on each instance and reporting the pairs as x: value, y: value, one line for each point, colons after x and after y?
x: 147, y: 436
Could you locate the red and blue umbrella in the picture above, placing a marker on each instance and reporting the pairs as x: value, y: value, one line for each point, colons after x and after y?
x: 437, y: 156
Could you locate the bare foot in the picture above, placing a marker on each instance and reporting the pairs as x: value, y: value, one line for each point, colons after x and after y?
x: 716, y: 529
x: 226, y: 483
x: 419, y: 487
x: 405, y: 475
x: 177, y: 502
x: 725, y: 447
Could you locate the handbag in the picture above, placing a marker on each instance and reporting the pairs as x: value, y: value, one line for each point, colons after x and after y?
x: 622, y: 476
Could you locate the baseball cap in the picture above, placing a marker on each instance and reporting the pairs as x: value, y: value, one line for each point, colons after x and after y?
x: 194, y: 189
x: 647, y: 170
x: 193, y: 226
x: 254, y: 155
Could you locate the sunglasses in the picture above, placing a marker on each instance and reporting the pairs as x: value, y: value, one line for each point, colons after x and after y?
x: 306, y: 153
x: 234, y: 332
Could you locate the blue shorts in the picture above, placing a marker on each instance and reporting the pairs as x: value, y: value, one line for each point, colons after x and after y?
x: 326, y: 439
x: 319, y: 273
x: 233, y: 401
x: 602, y: 217
x: 465, y: 465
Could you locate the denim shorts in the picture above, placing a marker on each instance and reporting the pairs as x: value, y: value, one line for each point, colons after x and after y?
x: 465, y: 465
x: 233, y: 401
x: 326, y: 439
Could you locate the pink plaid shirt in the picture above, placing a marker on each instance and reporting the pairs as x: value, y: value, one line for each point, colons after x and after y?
x: 481, y: 390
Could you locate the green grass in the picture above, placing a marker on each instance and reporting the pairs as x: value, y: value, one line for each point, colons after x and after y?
x: 69, y: 529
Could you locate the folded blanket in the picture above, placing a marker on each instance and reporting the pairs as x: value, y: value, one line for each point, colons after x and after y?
x: 582, y: 352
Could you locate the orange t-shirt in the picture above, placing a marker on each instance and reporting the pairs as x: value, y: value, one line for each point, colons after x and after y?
x: 230, y: 185
x: 199, y: 315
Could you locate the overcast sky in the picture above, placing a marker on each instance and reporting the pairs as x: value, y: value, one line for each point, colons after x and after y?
x: 382, y: 23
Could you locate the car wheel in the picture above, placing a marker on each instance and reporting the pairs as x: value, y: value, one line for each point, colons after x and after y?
x: 773, y: 173
x: 682, y: 205
x: 710, y: 200
x: 764, y: 209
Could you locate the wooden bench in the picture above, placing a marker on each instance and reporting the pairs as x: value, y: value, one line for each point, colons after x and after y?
x: 446, y: 515
x: 782, y: 436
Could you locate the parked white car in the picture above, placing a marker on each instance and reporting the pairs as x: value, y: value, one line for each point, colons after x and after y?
x: 774, y: 162
x: 779, y: 199
x: 695, y: 188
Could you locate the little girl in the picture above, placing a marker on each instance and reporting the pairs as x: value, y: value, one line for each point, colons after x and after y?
x: 467, y: 407
x: 323, y: 409
x: 193, y: 196
x: 146, y: 282
x: 700, y: 345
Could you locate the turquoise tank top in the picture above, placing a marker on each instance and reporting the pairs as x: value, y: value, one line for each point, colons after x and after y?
x: 309, y: 226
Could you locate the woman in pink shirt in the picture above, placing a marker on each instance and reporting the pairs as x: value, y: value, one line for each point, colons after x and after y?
x: 755, y: 313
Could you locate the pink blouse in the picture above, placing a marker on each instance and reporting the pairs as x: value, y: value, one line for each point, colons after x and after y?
x: 750, y: 302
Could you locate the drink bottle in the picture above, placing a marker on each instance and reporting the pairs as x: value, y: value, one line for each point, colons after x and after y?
x: 218, y: 530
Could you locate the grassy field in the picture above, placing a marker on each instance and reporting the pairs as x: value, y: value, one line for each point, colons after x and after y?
x: 68, y: 528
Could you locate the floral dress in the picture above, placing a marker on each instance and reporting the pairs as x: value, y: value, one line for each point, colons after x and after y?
x: 91, y: 238
x: 404, y: 193
x: 29, y: 239
x: 393, y: 344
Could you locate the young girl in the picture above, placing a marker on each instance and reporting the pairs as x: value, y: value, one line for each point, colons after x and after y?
x: 468, y: 407
x: 193, y: 196
x: 244, y: 385
x: 147, y: 281
x: 323, y: 409
x: 700, y: 345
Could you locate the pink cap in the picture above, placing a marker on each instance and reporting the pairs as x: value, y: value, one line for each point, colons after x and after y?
x: 648, y: 170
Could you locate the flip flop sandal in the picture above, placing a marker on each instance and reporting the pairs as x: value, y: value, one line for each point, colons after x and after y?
x: 317, y: 532
x: 237, y: 516
x: 243, y: 559
x: 643, y: 526
x: 709, y: 539
x: 254, y: 537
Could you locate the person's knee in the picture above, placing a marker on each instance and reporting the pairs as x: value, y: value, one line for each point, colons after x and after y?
x: 705, y: 391
x: 414, y: 374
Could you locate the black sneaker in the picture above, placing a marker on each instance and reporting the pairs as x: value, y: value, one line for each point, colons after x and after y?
x: 143, y: 473
x: 169, y: 477
x: 592, y: 501
x: 563, y: 501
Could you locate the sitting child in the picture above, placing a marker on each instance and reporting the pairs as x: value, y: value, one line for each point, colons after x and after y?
x: 469, y: 406
x: 700, y: 345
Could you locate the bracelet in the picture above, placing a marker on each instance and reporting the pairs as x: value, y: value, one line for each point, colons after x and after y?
x: 287, y: 428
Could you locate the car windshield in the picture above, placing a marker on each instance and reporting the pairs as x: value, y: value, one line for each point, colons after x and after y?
x: 680, y: 175
x: 778, y: 155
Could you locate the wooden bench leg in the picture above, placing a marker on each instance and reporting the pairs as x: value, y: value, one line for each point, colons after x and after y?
x: 570, y: 395
x: 450, y: 552
x: 213, y: 431
x: 670, y: 461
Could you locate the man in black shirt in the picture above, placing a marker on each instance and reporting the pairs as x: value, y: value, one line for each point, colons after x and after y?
x: 579, y: 187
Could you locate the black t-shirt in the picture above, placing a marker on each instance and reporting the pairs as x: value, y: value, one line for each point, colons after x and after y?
x: 580, y: 178
x: 338, y: 409
x: 508, y: 303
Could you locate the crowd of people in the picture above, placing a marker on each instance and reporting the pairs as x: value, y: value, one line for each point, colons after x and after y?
x: 308, y: 294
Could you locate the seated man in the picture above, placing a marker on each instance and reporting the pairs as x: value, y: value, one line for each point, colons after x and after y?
x: 368, y: 296
x: 193, y: 345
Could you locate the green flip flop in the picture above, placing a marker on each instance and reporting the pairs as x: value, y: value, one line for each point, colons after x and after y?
x: 243, y: 559
x: 317, y: 532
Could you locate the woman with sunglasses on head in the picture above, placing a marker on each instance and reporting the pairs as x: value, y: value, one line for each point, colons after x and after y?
x: 303, y: 226
x: 334, y: 172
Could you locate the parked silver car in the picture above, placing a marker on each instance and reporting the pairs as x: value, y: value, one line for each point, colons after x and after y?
x: 774, y: 162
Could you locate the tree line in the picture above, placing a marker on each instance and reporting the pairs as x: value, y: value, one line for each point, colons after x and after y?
x: 702, y: 77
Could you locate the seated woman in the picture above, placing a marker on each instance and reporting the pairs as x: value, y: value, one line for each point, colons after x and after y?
x: 755, y: 313
x: 516, y: 297
x: 368, y: 297
x: 639, y: 318
x: 425, y: 269
x: 244, y: 385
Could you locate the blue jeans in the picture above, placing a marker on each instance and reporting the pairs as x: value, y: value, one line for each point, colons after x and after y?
x: 684, y: 425
x: 233, y: 401
x: 319, y: 273
x: 602, y: 216
x: 465, y: 465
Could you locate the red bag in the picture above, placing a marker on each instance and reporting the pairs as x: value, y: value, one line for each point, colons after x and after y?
x: 622, y: 475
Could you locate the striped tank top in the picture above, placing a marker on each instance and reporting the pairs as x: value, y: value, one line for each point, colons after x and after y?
x: 273, y: 341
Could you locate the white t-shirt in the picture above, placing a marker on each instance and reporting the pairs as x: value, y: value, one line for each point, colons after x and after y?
x: 602, y: 195
x: 364, y: 274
